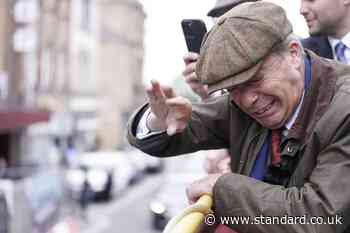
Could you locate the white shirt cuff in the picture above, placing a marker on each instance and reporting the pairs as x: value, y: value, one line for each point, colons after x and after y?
x: 142, y: 131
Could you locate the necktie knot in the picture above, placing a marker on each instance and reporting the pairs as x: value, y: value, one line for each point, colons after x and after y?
x: 340, y: 52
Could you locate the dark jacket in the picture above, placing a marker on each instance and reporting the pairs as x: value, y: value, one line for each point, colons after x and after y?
x: 319, y: 45
x: 320, y: 139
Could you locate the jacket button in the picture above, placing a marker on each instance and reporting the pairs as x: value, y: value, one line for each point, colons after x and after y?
x: 290, y: 149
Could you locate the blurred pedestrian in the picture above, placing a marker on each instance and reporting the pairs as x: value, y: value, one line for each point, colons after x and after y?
x: 86, y: 194
x: 3, y: 167
x: 71, y: 152
x: 4, y: 214
x: 285, y: 118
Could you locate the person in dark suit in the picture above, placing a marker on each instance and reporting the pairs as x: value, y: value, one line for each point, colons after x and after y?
x: 319, y: 45
x: 328, y: 22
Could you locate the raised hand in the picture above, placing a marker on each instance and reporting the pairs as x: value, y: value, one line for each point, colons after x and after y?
x: 168, y: 111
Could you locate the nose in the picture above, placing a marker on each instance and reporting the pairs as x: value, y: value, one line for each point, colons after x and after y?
x: 303, y: 10
x: 249, y: 97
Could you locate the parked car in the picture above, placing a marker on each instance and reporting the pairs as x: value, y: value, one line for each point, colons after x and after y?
x: 149, y: 164
x: 98, y: 183
x: 106, y: 173
x: 171, y: 198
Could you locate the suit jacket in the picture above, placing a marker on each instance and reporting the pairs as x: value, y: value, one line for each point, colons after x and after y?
x: 320, y: 138
x: 319, y: 45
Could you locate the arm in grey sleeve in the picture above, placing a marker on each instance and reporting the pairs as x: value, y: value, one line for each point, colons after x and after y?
x: 207, y: 129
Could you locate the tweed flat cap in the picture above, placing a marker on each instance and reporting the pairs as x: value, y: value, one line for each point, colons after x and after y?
x: 221, y: 6
x: 233, y: 51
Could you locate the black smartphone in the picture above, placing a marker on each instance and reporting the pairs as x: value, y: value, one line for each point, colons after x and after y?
x: 194, y: 31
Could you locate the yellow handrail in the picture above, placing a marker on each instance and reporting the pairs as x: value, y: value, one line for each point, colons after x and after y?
x: 191, y: 218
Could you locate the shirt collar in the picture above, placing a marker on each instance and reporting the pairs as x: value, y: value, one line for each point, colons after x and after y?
x: 346, y: 40
x: 334, y: 41
x: 307, y: 79
x: 291, y: 121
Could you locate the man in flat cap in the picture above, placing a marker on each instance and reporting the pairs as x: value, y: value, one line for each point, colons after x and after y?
x: 285, y: 121
x: 329, y: 26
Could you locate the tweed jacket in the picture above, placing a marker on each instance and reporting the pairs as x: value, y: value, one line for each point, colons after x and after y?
x: 320, y: 139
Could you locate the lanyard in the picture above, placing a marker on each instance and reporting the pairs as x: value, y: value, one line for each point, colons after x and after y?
x: 308, y: 73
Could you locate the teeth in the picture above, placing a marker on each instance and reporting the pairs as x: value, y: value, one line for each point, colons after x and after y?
x: 264, y: 109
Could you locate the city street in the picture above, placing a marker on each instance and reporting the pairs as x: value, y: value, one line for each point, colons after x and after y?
x: 128, y: 213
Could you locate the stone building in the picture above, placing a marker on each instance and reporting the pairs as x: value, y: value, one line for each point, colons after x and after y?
x: 120, y: 60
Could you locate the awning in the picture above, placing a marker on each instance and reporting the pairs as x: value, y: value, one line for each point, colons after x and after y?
x: 12, y: 118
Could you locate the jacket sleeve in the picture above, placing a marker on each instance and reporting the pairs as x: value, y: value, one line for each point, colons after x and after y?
x: 207, y: 129
x: 325, y: 194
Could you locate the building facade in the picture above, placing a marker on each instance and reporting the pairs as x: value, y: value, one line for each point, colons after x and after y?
x: 120, y: 58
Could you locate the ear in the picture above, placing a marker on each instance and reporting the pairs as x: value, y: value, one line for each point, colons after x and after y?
x: 295, y: 54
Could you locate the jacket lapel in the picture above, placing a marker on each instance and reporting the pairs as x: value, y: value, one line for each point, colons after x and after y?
x: 316, y: 100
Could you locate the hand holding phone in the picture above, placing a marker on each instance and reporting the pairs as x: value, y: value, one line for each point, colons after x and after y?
x: 194, y: 31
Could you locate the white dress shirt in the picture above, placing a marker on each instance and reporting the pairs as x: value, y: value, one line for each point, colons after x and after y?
x: 142, y: 130
x: 346, y: 40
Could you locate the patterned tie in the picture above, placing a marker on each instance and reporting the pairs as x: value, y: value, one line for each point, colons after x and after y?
x: 275, y: 145
x: 340, y: 52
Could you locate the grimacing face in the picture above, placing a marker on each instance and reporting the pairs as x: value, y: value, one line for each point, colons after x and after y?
x: 272, y: 96
x: 324, y: 17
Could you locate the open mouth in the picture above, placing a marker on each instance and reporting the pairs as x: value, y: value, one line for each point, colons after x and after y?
x: 265, y: 109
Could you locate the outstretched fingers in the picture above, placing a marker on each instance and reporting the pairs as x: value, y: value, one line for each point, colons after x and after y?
x: 157, y: 98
